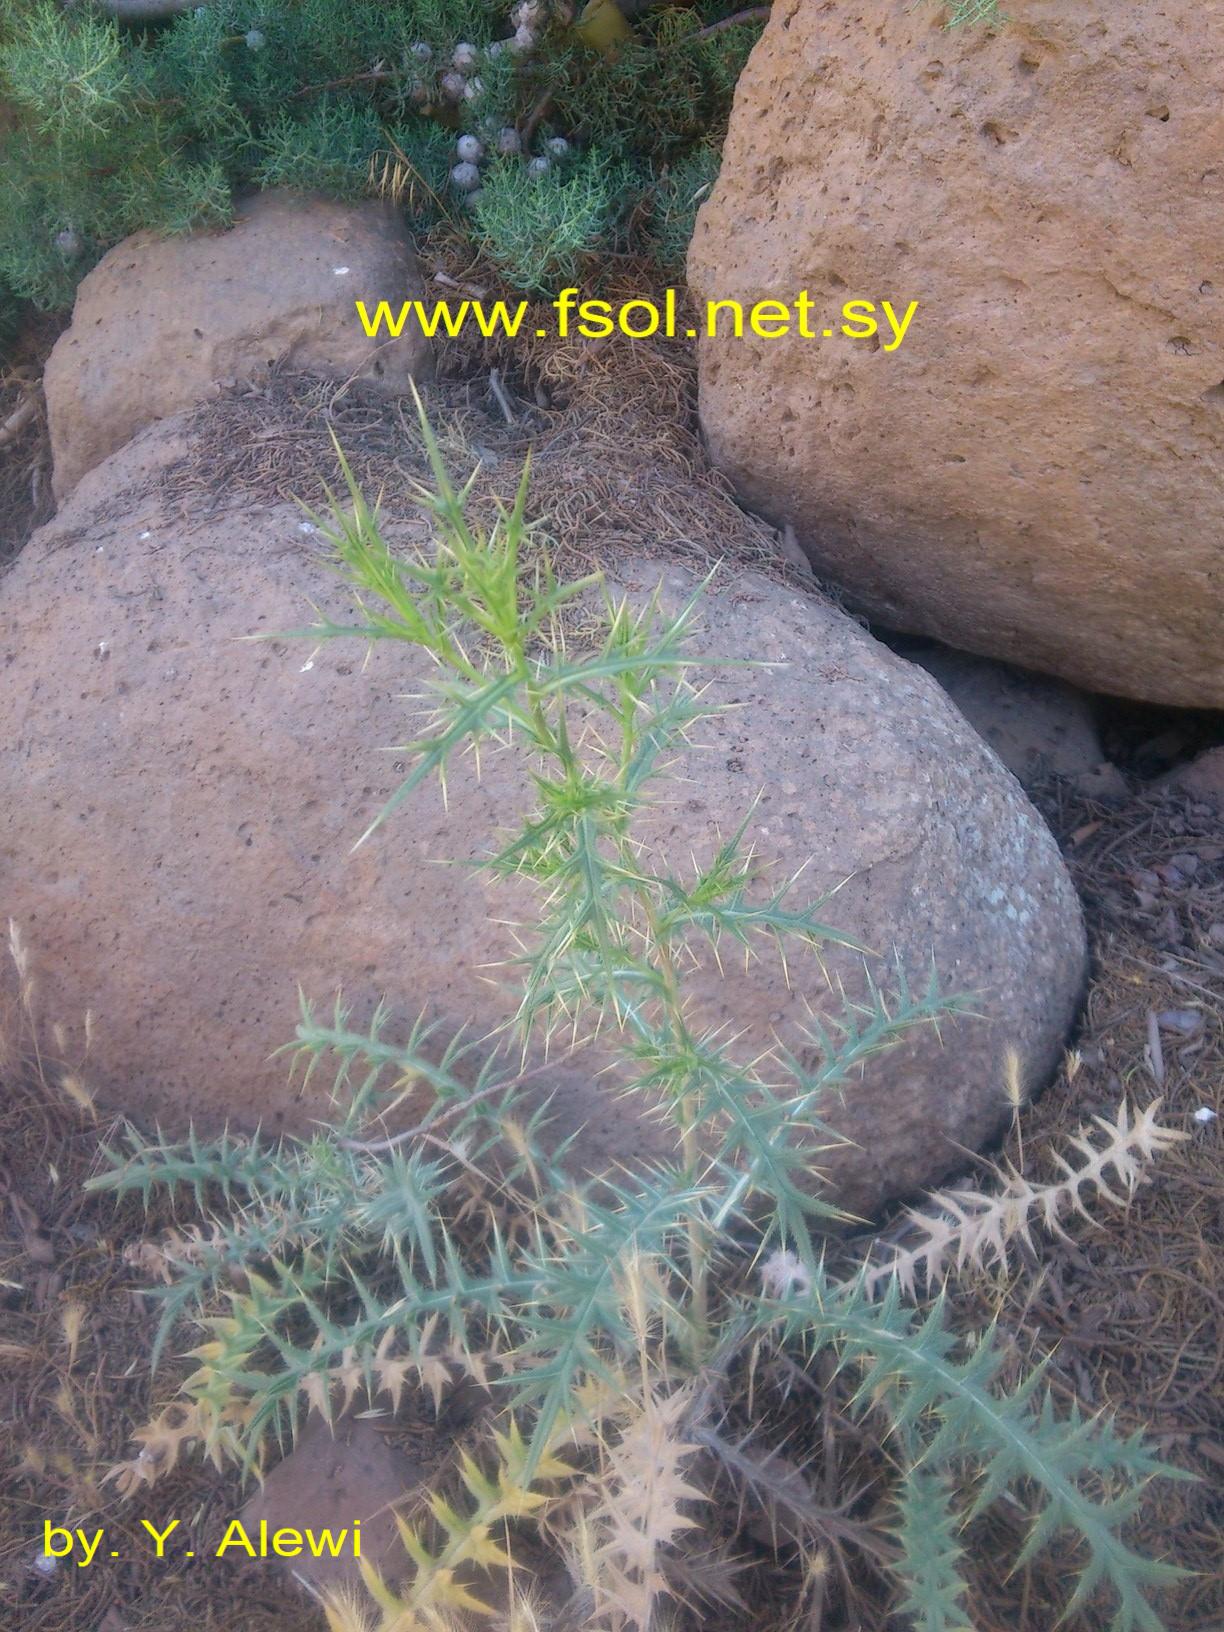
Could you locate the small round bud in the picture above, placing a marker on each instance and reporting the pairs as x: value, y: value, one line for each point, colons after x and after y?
x: 452, y: 86
x: 254, y: 40
x: 422, y: 51
x: 473, y: 199
x: 557, y: 147
x: 539, y: 167
x: 465, y: 178
x: 68, y: 242
x: 509, y: 141
x: 470, y: 149
x: 464, y: 57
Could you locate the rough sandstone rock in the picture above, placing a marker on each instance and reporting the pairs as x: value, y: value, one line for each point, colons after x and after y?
x: 353, y: 1470
x: 335, y: 1476
x: 159, y: 321
x: 177, y: 810
x: 1201, y: 780
x: 1036, y: 725
x: 1036, y: 473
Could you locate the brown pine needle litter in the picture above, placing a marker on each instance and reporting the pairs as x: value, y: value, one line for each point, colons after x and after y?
x: 618, y: 465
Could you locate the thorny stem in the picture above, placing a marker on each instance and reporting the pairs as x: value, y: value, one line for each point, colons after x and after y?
x: 443, y: 1111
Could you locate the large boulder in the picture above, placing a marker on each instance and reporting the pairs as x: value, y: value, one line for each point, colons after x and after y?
x: 1035, y: 472
x: 177, y: 810
x: 159, y: 322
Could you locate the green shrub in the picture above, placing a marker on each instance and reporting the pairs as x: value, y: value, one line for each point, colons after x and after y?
x: 328, y: 151
x: 120, y: 127
x: 607, y: 1315
x: 537, y: 229
x: 679, y: 193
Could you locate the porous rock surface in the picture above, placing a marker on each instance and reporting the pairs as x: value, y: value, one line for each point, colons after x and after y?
x: 1036, y: 725
x: 1201, y: 780
x: 1035, y: 474
x: 177, y: 810
x: 159, y: 322
x: 337, y: 1475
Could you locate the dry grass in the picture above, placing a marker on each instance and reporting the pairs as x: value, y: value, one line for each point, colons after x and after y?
x: 25, y: 450
x: 618, y: 466
x: 75, y: 1346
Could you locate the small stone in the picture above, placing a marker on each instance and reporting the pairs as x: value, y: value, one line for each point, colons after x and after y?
x: 333, y: 1476
x: 474, y: 88
x: 1103, y: 783
x: 1202, y: 781
x: 1204, y: 1114
x: 1186, y: 1022
x: 422, y: 52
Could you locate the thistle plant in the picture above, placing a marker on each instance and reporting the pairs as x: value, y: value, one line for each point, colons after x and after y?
x: 604, y: 1314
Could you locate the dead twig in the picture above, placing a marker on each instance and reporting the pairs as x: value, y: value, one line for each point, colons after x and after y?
x: 25, y: 413
x: 750, y: 14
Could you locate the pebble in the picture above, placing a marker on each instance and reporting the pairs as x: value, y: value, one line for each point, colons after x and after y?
x: 1186, y: 1022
